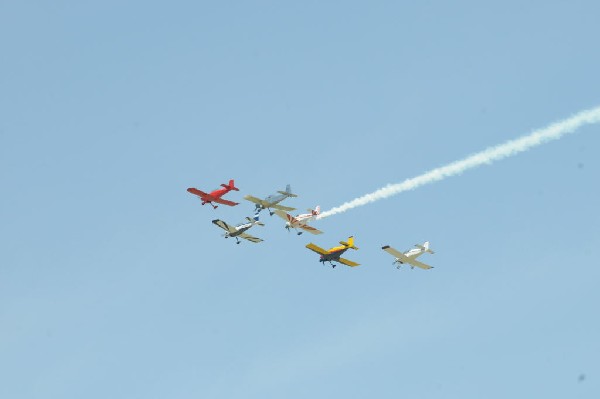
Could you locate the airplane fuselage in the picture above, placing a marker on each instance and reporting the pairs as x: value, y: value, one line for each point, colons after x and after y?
x: 412, y: 253
x: 301, y: 220
x: 215, y: 194
x: 274, y: 199
x: 239, y: 229
x: 271, y: 200
x: 333, y: 255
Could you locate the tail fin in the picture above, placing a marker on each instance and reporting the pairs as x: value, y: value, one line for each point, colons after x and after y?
x: 231, y: 186
x: 255, y: 220
x: 425, y: 247
x: 288, y: 191
x: 316, y: 211
x: 350, y: 243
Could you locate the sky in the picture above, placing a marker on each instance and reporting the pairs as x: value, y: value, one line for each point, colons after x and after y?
x: 115, y: 283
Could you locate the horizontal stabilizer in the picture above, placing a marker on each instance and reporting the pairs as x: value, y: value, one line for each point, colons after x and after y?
x: 424, y: 247
x: 255, y: 222
x: 350, y: 243
x: 232, y: 185
x: 288, y: 194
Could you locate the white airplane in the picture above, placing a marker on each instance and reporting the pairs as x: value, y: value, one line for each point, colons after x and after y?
x: 300, y: 221
x: 410, y: 256
x: 240, y: 229
x: 272, y: 201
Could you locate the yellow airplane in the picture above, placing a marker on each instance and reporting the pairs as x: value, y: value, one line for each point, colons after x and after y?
x: 333, y: 254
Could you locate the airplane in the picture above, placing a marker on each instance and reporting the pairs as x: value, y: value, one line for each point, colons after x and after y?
x: 272, y: 201
x: 215, y: 196
x: 240, y: 229
x: 300, y: 221
x: 410, y: 256
x: 333, y: 254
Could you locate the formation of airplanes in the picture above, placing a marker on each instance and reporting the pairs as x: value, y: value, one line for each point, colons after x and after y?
x: 299, y: 223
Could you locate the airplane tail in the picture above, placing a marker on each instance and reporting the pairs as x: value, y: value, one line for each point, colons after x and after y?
x: 425, y: 247
x: 255, y: 220
x: 350, y: 243
x: 288, y: 191
x: 231, y: 186
x: 316, y: 211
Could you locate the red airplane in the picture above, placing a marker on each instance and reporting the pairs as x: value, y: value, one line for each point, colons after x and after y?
x: 215, y: 196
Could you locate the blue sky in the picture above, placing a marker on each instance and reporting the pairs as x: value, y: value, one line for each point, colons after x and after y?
x: 114, y: 283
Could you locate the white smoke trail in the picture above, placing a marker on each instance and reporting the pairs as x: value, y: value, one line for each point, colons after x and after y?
x: 492, y: 154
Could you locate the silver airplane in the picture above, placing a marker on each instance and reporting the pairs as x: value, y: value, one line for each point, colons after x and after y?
x: 272, y: 201
x: 410, y: 256
x: 240, y: 229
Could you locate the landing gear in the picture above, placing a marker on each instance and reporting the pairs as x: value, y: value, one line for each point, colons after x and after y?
x: 287, y: 227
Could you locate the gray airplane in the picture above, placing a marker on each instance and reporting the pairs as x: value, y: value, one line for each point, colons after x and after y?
x: 240, y: 229
x: 272, y: 201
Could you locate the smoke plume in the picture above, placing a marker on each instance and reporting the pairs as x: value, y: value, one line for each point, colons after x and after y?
x: 487, y: 156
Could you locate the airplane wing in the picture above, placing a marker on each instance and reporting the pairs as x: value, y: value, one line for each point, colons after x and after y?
x: 286, y: 217
x: 393, y: 252
x: 200, y: 194
x: 310, y: 229
x: 281, y: 207
x: 224, y: 202
x: 250, y: 238
x: 348, y: 262
x: 224, y: 225
x: 316, y: 248
x: 415, y: 262
x: 405, y: 259
x: 254, y: 199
